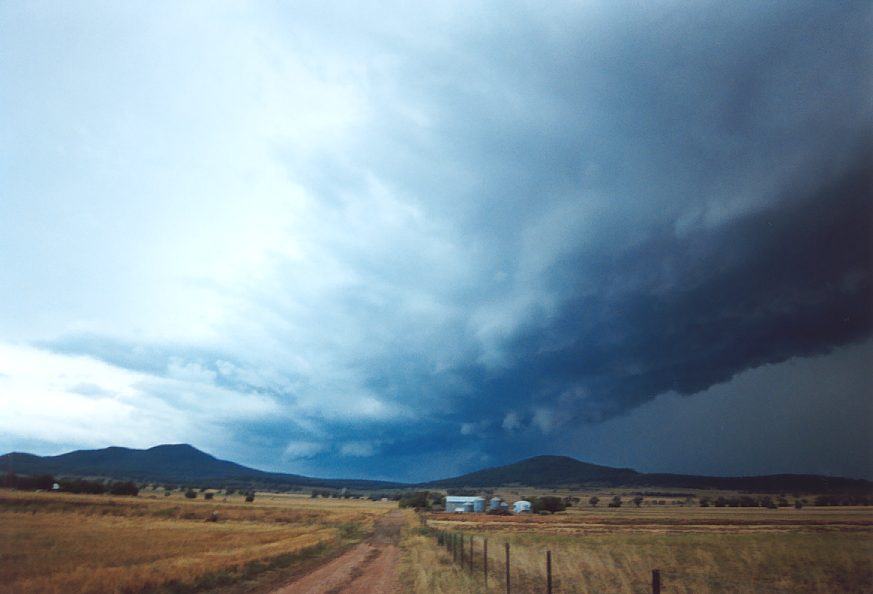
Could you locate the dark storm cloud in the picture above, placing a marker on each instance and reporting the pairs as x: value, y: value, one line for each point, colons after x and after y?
x: 785, y: 282
x: 686, y: 190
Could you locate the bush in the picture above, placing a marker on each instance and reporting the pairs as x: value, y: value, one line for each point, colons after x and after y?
x: 191, y: 494
x: 548, y: 504
x: 124, y: 488
x: 418, y: 500
x: 616, y: 502
x: 594, y: 501
x: 250, y: 496
x: 83, y: 486
x: 208, y: 495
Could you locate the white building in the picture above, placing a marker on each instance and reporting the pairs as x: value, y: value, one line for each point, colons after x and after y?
x: 521, y: 507
x: 456, y: 504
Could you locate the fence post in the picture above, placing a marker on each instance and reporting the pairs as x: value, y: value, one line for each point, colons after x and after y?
x: 485, y: 562
x: 549, y: 572
x: 507, y: 568
x: 471, y: 553
x: 656, y: 581
x: 454, y: 547
x: 462, y: 550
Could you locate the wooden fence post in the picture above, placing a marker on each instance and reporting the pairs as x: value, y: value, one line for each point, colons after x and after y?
x: 471, y: 553
x: 656, y: 581
x: 462, y: 550
x: 507, y: 568
x: 549, y: 572
x: 485, y: 562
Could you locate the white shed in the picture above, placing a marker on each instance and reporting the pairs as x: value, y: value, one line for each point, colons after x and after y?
x: 457, y: 504
x: 521, y: 507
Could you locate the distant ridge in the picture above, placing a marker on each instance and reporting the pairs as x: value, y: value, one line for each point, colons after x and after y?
x: 173, y: 463
x: 183, y: 464
x: 541, y: 471
x: 563, y: 471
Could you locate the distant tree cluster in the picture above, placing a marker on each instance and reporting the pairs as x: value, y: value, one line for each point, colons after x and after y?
x: 420, y: 500
x: 28, y: 483
x: 826, y: 500
x: 47, y: 482
x: 781, y: 501
x: 548, y: 504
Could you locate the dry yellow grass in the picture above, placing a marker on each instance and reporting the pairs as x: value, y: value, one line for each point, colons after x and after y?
x: 85, y: 543
x: 705, y: 551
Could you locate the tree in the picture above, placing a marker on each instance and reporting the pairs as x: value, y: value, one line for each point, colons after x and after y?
x: 548, y: 504
x: 638, y: 500
x: 250, y: 496
x: 616, y: 501
x: 124, y: 488
x: 594, y: 501
x: 416, y: 500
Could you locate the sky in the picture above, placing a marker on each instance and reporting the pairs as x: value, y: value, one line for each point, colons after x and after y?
x: 404, y: 241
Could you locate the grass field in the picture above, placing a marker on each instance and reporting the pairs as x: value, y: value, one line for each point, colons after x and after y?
x: 700, y: 550
x: 53, y: 543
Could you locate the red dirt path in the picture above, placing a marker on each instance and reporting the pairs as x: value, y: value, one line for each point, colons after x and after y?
x: 368, y: 568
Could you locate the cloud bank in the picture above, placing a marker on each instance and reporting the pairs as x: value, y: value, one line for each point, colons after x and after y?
x: 345, y: 240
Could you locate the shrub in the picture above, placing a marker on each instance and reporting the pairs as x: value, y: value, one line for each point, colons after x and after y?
x: 124, y: 488
x: 594, y: 501
x: 208, y: 495
x: 616, y: 501
x: 416, y: 500
x: 548, y: 504
x: 250, y: 496
x: 191, y: 494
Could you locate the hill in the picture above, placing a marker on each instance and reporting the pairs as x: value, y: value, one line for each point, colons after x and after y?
x: 563, y: 471
x: 175, y: 464
x: 182, y: 464
x: 542, y: 471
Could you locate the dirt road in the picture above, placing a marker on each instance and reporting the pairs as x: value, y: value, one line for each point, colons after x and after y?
x: 370, y: 567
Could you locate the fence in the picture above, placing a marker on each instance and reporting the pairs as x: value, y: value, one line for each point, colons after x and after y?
x: 462, y: 549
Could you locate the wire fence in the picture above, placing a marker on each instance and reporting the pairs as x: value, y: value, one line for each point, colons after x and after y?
x: 472, y: 554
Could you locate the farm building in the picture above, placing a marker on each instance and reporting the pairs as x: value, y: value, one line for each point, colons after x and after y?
x: 520, y: 507
x: 456, y: 504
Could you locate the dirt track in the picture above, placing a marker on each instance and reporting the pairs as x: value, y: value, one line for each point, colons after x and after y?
x: 369, y: 567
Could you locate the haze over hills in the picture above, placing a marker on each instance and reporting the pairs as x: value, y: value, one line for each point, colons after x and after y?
x: 185, y: 464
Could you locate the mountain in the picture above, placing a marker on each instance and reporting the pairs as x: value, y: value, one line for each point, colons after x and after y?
x: 542, y: 471
x: 182, y: 464
x: 555, y: 471
x: 178, y: 464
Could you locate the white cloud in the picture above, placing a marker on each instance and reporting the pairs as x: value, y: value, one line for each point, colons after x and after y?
x: 511, y: 422
x: 358, y: 449
x: 64, y: 399
x: 303, y: 449
x: 544, y: 419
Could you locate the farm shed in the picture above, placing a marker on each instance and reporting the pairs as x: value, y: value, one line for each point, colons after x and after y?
x: 520, y: 507
x: 457, y: 504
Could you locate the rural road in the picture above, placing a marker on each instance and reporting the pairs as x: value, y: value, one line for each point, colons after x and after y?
x: 367, y: 568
